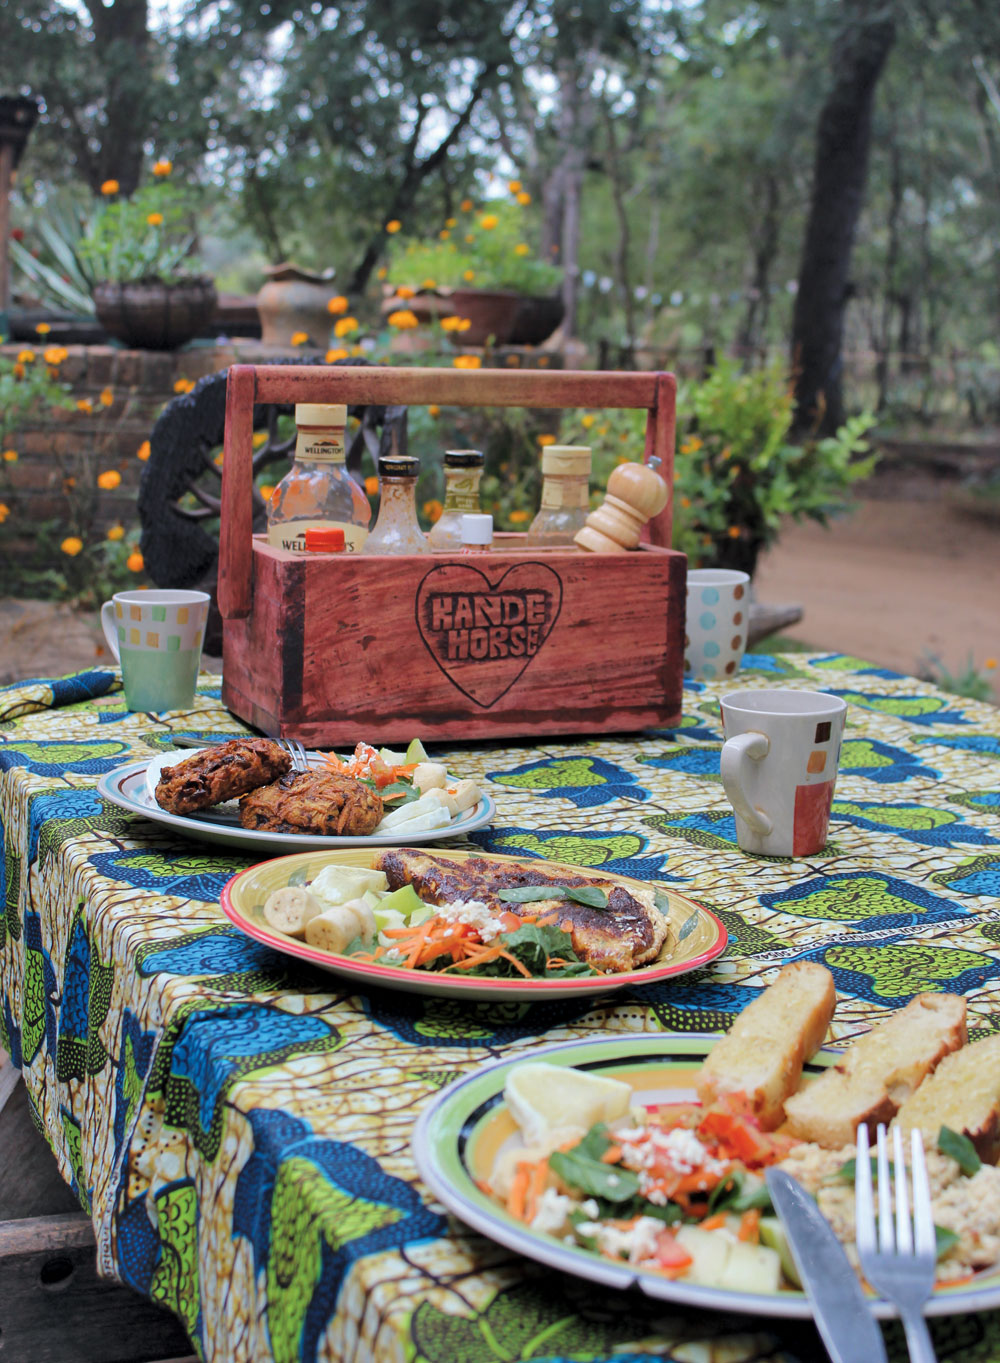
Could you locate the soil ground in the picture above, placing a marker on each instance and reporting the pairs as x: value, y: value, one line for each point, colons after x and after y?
x: 906, y: 579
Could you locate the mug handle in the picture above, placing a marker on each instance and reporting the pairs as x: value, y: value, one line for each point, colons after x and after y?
x: 110, y: 629
x: 737, y: 753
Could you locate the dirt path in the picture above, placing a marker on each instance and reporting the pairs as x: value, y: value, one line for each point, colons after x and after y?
x: 898, y: 581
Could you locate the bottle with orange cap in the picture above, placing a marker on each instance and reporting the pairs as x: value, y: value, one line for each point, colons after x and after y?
x: 317, y: 491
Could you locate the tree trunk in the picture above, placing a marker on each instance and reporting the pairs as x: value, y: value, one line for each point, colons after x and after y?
x: 843, y: 139
x: 767, y: 241
x: 561, y: 198
x: 121, y: 35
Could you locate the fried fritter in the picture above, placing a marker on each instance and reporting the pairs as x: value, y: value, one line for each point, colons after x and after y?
x: 220, y: 773
x: 630, y: 932
x: 314, y: 802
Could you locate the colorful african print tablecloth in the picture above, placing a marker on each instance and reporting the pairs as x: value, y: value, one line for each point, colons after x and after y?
x: 238, y: 1126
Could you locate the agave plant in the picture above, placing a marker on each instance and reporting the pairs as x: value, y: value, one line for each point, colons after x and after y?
x: 58, y: 275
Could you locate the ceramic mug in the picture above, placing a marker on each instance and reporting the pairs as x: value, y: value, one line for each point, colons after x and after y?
x: 718, y: 607
x: 779, y: 766
x: 157, y: 638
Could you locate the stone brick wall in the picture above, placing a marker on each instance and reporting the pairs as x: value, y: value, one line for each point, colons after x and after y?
x: 62, y: 453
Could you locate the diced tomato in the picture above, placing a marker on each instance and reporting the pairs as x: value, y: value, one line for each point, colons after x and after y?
x: 669, y: 1254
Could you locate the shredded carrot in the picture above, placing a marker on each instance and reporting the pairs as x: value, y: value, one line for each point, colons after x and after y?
x: 536, y: 1187
x: 750, y: 1226
x: 548, y: 920
x: 519, y: 1190
x: 612, y: 1155
x: 714, y: 1222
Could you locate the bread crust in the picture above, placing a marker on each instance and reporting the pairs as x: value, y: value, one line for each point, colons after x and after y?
x: 762, y: 1055
x: 963, y: 1093
x: 878, y: 1072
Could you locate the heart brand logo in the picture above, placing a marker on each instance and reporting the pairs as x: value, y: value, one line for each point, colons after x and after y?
x: 483, y: 635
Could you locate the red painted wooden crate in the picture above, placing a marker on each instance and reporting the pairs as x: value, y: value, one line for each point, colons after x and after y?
x: 333, y: 648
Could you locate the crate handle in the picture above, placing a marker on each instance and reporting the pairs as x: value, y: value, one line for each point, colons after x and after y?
x: 388, y: 386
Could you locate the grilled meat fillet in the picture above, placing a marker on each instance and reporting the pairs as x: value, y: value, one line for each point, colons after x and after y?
x: 630, y: 932
x: 220, y: 773
x: 314, y: 802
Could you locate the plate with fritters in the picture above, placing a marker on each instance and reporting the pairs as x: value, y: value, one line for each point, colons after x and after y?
x: 694, y: 934
x: 131, y: 788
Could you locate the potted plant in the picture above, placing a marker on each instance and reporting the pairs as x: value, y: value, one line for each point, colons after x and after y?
x: 483, y: 270
x: 148, y: 293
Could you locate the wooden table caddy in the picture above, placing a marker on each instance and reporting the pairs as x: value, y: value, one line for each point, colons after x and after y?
x: 333, y: 648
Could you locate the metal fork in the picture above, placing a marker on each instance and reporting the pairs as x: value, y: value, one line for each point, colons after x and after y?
x: 902, y: 1266
x: 296, y: 751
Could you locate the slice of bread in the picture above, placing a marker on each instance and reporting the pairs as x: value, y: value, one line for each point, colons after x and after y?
x: 878, y: 1072
x: 763, y: 1053
x: 963, y: 1093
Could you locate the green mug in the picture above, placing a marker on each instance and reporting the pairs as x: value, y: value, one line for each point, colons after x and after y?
x: 157, y: 637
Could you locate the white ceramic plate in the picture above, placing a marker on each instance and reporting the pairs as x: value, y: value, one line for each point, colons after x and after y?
x: 131, y: 787
x: 461, y: 1131
x: 697, y: 937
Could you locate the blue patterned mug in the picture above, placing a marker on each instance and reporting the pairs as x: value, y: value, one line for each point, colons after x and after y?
x: 718, y: 607
x: 157, y: 638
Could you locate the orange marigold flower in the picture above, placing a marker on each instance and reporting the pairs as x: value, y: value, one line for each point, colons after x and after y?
x: 519, y: 516
x: 371, y: 486
x: 469, y: 276
x: 405, y: 292
x: 733, y: 532
x: 403, y: 318
x: 162, y: 167
x: 587, y: 421
x: 514, y: 186
x: 258, y: 439
x: 355, y: 351
x: 25, y: 356
x: 686, y: 503
x: 450, y: 222
x: 43, y: 328
x: 143, y: 452
x: 393, y: 226
x: 452, y: 324
x: 107, y: 397
x: 10, y: 456
x: 218, y: 458
x: 467, y: 362
x: 154, y: 219
x: 266, y: 490
x: 466, y: 205
x: 117, y: 532
x: 470, y: 238
x: 54, y: 354
x: 524, y: 198
x: 109, y: 480
x: 345, y: 326
x: 990, y: 664
x: 433, y: 410
x: 110, y: 187
x: 444, y: 234
x: 522, y: 249
x: 381, y: 272
x: 84, y: 405
x: 546, y: 440
x: 69, y: 484
x: 337, y: 305
x: 71, y: 545
x: 183, y: 385
x: 433, y: 509
x: 334, y: 355
x: 428, y: 283
x: 18, y: 371
x: 300, y: 337
x: 488, y: 221
x: 134, y: 563
x: 4, y: 512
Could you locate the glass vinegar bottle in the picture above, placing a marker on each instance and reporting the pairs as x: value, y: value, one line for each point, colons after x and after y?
x: 565, y: 496
x: 317, y: 490
x: 396, y: 530
x: 463, y: 472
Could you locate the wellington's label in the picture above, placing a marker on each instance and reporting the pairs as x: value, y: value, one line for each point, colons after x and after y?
x: 558, y: 493
x: 325, y: 445
x: 291, y: 535
x: 483, y: 634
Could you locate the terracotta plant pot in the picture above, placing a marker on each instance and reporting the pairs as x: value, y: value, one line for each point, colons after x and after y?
x: 151, y: 315
x: 293, y: 300
x: 492, y: 314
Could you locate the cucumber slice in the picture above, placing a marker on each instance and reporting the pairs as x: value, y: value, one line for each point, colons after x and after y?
x: 416, y: 752
x: 772, y: 1234
x: 405, y: 901
x: 391, y: 758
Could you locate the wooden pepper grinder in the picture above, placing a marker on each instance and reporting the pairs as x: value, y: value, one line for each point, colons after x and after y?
x: 636, y: 492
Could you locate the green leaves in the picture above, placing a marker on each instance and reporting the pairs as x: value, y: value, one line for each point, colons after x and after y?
x: 959, y: 1148
x: 532, y: 945
x: 591, y: 895
x: 581, y: 1169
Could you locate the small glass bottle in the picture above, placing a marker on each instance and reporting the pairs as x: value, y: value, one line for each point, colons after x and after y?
x: 396, y: 530
x: 565, y: 496
x: 463, y: 471
x: 477, y: 533
x: 317, y: 490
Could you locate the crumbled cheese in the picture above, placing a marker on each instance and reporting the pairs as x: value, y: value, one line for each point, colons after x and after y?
x: 552, y: 1211
x: 678, y: 1149
x: 590, y: 1208
x: 636, y: 1243
x: 474, y: 913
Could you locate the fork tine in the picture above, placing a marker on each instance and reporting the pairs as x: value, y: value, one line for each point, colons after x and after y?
x: 886, y: 1238
x: 904, y: 1229
x: 864, y: 1212
x: 923, y: 1218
